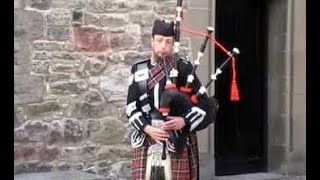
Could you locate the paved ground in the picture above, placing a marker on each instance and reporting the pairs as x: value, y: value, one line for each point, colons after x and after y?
x: 78, y: 175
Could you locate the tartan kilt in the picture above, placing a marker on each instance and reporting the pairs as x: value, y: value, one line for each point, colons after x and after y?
x: 184, y: 167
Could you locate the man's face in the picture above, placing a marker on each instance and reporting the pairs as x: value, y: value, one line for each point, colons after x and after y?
x: 161, y: 46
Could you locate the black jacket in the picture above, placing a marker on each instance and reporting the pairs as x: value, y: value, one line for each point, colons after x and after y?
x: 136, y: 113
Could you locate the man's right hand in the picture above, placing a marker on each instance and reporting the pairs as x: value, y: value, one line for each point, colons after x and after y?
x: 157, y: 134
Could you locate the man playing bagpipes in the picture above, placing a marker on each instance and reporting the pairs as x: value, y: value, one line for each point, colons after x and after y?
x: 165, y: 119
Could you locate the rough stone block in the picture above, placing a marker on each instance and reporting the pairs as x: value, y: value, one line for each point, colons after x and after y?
x: 114, y: 84
x: 130, y: 57
x: 93, y: 66
x: 21, y: 51
x: 40, y: 67
x: 91, y: 19
x: 143, y: 18
x: 32, y: 167
x: 39, y: 4
x: 19, y: 4
x: 41, y: 55
x: 113, y: 20
x: 167, y: 7
x: 67, y: 55
x: 112, y: 153
x: 47, y: 46
x: 70, y: 4
x: 58, y: 33
x: 125, y: 41
x: 21, y: 69
x: 73, y: 132
x: 58, y: 17
x: 42, y: 108
x: 28, y: 24
x: 91, y: 39
x: 71, y: 86
x: 112, y: 132
x: 107, y: 6
x: 88, y: 110
x: 28, y: 89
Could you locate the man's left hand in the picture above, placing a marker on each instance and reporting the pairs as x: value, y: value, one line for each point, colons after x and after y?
x: 173, y: 123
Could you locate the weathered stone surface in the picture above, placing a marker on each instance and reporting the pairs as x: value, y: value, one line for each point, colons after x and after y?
x: 32, y: 167
x: 73, y: 132
x: 21, y: 51
x: 115, y: 57
x: 112, y: 132
x: 48, y: 153
x: 58, y: 77
x: 19, y: 4
x: 58, y: 17
x: 28, y: 89
x: 90, y: 18
x: 130, y: 57
x: 41, y: 55
x: 77, y: 16
x: 70, y: 4
x: 28, y: 24
x: 88, y: 110
x: 42, y: 108
x: 113, y: 20
x: 112, y: 153
x: 21, y: 69
x: 39, y: 4
x: 94, y: 81
x: 114, y: 83
x: 94, y: 97
x: 124, y: 41
x: 47, y: 46
x: 63, y: 166
x: 167, y: 7
x: 91, y: 39
x: 104, y: 6
x: 144, y: 18
x: 93, y: 66
x: 40, y: 67
x: 58, y: 33
x: 36, y: 131
x: 122, y: 169
x: 78, y: 156
x: 146, y: 38
x: 63, y: 67
x: 36, y: 153
x: 66, y: 55
x: 70, y: 86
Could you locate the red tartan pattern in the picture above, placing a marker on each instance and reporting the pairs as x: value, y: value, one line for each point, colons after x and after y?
x: 186, y: 167
x: 157, y: 73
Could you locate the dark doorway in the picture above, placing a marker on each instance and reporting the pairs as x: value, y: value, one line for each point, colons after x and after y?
x: 240, y: 130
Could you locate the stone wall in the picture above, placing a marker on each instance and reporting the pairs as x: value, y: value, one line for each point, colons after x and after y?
x: 71, y: 63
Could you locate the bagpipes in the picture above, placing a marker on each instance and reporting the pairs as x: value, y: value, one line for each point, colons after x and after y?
x: 176, y: 101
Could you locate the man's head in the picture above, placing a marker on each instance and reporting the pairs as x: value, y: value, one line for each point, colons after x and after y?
x: 162, y: 39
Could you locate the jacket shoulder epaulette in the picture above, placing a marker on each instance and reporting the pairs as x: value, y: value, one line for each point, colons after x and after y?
x: 141, y: 61
x: 134, y: 66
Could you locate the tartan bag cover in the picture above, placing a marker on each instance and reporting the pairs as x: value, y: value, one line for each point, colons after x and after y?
x: 184, y: 167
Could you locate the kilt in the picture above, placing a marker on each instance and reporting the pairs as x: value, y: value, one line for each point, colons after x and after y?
x: 183, y: 167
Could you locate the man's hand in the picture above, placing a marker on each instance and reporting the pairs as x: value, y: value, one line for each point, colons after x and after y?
x: 157, y: 134
x: 173, y: 123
